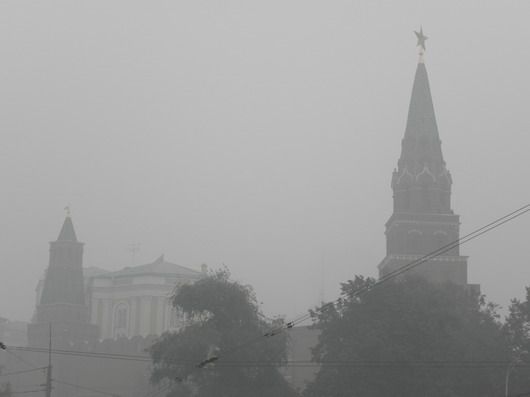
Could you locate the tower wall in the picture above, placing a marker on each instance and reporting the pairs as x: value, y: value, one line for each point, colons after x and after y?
x: 422, y: 221
x: 62, y: 302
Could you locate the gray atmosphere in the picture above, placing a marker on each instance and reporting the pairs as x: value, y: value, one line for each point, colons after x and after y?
x: 258, y: 135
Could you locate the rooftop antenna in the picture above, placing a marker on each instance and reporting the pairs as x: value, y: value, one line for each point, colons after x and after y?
x: 134, y: 248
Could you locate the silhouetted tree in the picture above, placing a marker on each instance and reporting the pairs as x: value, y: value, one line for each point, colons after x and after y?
x: 410, y: 338
x: 223, y: 316
x: 517, y: 328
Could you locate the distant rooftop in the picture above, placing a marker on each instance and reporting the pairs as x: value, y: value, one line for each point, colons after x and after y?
x: 92, y: 271
x: 159, y: 266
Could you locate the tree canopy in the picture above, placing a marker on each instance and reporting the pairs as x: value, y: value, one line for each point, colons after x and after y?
x: 517, y: 328
x: 222, y: 315
x: 410, y: 338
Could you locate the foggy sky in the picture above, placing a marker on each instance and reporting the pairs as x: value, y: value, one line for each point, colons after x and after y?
x: 259, y: 135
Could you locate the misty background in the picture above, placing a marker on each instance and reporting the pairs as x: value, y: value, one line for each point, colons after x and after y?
x: 259, y: 135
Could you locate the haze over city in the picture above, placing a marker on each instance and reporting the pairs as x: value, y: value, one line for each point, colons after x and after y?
x: 260, y: 136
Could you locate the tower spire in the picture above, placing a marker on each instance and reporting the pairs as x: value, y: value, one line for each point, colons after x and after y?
x: 422, y: 220
x: 67, y: 232
x: 421, y: 147
x: 62, y: 298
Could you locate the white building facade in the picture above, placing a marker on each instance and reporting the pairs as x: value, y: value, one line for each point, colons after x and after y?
x: 136, y: 301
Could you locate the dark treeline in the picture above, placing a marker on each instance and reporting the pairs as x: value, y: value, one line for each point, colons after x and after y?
x: 406, y: 338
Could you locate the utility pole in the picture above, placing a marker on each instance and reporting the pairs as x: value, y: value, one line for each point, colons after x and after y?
x: 49, y: 372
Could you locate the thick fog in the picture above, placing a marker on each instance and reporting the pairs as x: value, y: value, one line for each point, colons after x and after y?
x: 259, y: 135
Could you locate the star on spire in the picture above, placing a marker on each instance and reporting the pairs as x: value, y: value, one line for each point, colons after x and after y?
x: 421, y: 39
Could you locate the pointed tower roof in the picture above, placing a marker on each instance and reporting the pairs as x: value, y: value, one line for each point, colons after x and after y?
x: 67, y: 232
x: 421, y: 119
x: 64, y: 277
x: 421, y: 144
x: 421, y: 183
x: 422, y: 219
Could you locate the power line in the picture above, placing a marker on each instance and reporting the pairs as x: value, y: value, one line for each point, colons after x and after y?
x: 475, y: 234
x: 471, y: 236
x: 22, y: 360
x: 160, y: 390
x: 224, y: 363
x: 468, y: 237
x: 287, y: 363
x: 113, y: 356
x: 375, y: 364
x: 23, y: 371
x: 52, y: 380
x: 425, y: 258
x: 85, y: 388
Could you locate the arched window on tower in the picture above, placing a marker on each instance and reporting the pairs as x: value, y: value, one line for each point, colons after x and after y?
x: 445, y: 198
x: 441, y: 239
x: 414, y: 242
x: 121, y: 320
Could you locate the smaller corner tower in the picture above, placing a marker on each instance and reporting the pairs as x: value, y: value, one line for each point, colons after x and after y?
x: 422, y: 220
x: 62, y: 301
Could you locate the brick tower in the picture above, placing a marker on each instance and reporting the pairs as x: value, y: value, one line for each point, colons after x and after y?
x: 62, y: 302
x: 422, y: 220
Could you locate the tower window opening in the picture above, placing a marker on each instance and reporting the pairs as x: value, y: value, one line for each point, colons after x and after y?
x: 414, y: 242
x: 441, y: 239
